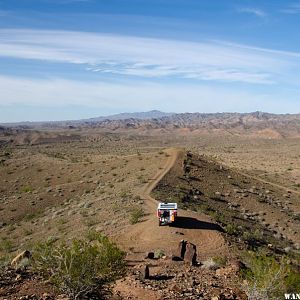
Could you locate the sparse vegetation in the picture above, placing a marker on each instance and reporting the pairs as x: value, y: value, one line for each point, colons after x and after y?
x: 159, y: 253
x: 267, y: 278
x: 82, y: 267
x: 27, y: 189
x: 6, y: 245
x: 136, y: 215
x: 220, y: 260
x: 79, y: 196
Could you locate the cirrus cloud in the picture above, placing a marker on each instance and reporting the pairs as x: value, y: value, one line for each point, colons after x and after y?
x: 150, y: 57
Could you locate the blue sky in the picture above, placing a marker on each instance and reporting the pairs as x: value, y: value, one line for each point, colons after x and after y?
x: 71, y: 59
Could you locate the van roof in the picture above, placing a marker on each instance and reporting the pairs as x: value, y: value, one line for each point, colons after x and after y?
x: 167, y: 205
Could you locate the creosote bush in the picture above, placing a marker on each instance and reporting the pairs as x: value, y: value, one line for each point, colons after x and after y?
x: 136, y: 215
x: 82, y: 267
x: 268, y: 278
x: 220, y: 260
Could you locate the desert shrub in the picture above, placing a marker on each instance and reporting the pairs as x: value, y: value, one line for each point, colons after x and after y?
x: 210, y: 264
x: 4, y: 260
x: 221, y: 261
x: 91, y: 221
x: 82, y: 267
x: 252, y: 236
x: 27, y: 189
x: 159, y: 253
x: 267, y: 278
x: 231, y: 229
x: 6, y: 245
x: 292, y: 281
x: 136, y: 215
x: 142, y: 179
x: 124, y: 194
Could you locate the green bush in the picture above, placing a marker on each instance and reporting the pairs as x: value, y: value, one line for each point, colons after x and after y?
x: 27, y: 189
x: 136, y: 215
x: 82, y: 267
x: 267, y: 278
x: 6, y: 245
x: 159, y: 253
x: 221, y: 261
x: 231, y: 229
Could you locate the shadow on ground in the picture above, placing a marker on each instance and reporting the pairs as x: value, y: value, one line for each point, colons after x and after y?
x: 161, y: 277
x: 193, y: 223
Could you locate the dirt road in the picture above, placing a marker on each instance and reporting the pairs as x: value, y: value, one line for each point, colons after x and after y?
x: 284, y: 188
x: 148, y: 236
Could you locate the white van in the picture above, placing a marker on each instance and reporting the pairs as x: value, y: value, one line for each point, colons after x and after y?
x: 166, y: 213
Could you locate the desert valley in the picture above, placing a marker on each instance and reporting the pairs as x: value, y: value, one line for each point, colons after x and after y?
x: 235, y: 177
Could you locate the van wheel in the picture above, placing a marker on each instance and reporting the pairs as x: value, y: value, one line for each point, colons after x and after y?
x: 159, y: 223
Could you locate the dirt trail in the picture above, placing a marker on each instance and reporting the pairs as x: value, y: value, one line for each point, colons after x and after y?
x: 271, y: 183
x: 148, y: 236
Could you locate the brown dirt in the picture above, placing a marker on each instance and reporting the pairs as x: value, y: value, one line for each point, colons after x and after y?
x: 236, y: 199
x: 148, y: 236
x: 98, y: 179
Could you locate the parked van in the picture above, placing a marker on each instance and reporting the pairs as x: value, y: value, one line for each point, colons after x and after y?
x: 166, y: 213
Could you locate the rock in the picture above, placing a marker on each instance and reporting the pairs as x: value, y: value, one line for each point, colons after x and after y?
x: 175, y: 288
x: 179, y: 233
x: 176, y: 258
x: 18, y: 277
x: 18, y: 259
x: 237, y: 265
x: 297, y: 246
x: 181, y: 249
x: 46, y: 296
x: 227, y: 271
x: 62, y: 297
x: 150, y: 255
x: 191, y: 253
x: 146, y: 272
x: 2, y: 224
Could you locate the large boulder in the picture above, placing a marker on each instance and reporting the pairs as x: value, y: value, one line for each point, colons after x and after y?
x: 181, y: 249
x: 150, y: 255
x: 180, y: 252
x: 146, y: 272
x: 191, y: 253
x: 25, y: 255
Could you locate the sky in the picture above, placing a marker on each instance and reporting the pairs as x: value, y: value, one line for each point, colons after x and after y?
x: 73, y: 59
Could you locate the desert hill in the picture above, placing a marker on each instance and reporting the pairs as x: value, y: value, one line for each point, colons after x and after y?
x: 257, y: 123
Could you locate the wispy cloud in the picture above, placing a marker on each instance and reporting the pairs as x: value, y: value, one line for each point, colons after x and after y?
x: 148, y: 57
x: 292, y: 9
x: 253, y: 11
x: 127, y: 96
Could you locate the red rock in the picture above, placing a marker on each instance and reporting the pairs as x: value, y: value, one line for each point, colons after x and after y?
x: 191, y: 253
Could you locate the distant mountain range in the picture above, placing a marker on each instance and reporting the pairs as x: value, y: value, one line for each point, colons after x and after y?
x: 122, y: 116
x: 254, y: 124
x: 153, y: 114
